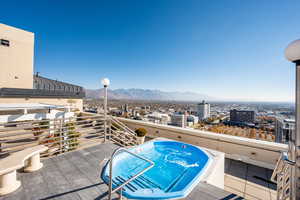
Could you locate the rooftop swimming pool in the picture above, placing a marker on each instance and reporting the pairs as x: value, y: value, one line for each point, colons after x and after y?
x: 178, y: 167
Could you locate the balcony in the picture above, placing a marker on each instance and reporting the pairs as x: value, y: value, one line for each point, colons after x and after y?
x: 77, y: 147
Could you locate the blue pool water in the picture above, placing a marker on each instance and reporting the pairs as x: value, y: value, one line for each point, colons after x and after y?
x: 178, y: 168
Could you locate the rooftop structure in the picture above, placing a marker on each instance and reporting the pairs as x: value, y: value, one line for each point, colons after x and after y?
x: 19, y: 85
x: 16, y: 43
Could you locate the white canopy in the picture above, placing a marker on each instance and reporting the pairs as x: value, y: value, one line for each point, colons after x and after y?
x: 28, y: 106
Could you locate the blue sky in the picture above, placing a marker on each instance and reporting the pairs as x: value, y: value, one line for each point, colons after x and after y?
x: 233, y: 49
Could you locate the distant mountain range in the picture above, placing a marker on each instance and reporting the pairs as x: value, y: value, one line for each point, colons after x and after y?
x: 146, y: 94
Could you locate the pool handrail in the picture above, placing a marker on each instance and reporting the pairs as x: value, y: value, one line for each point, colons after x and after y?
x: 111, y: 191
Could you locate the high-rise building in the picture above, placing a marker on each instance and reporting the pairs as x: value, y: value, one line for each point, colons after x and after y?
x: 125, y: 108
x: 245, y: 116
x: 284, y: 128
x: 203, y: 110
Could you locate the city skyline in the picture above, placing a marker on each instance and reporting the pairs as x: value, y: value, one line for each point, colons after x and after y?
x: 229, y: 50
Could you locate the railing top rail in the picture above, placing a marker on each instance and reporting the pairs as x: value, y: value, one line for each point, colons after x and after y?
x: 30, y: 122
x: 90, y: 116
x: 37, y: 124
x: 286, y: 159
x: 24, y: 122
x: 130, y: 152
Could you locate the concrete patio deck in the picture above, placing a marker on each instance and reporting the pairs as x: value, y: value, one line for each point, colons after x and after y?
x: 75, y: 175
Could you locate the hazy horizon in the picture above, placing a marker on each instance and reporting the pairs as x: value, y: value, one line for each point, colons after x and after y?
x: 216, y: 99
x: 226, y: 49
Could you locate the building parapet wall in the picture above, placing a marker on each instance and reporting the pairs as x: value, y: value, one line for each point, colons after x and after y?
x: 257, y: 152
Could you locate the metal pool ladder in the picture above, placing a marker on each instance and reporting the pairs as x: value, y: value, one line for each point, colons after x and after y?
x: 120, y: 187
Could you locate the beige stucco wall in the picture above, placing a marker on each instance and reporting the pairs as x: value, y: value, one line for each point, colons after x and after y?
x: 76, y: 103
x: 260, y: 153
x: 16, y: 61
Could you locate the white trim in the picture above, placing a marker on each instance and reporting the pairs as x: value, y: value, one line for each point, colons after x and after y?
x: 54, y: 114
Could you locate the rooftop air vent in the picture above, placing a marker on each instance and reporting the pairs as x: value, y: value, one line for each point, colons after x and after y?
x: 4, y: 42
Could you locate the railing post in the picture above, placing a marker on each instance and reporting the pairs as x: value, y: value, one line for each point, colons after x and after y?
x: 51, y: 126
x: 278, y: 186
x: 105, y: 113
x: 296, y: 140
x: 109, y: 130
x: 60, y: 135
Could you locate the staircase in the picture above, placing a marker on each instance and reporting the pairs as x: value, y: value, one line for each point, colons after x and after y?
x: 281, y: 176
x: 138, y: 183
x: 120, y: 133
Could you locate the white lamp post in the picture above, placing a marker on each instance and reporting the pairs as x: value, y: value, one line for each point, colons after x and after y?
x: 105, y: 82
x: 292, y: 53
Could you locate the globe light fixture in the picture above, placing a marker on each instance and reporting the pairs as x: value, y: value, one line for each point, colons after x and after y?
x: 105, y: 82
x: 292, y: 52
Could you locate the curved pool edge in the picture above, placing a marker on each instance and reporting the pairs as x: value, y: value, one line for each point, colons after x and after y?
x: 212, y: 172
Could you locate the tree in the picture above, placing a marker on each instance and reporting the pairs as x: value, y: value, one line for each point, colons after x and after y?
x: 252, y: 133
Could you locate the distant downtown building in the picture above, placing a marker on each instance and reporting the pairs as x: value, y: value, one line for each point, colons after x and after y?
x: 284, y: 129
x: 245, y: 116
x: 160, y: 118
x: 203, y: 110
x: 125, y: 108
x: 179, y: 120
x: 192, y: 118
